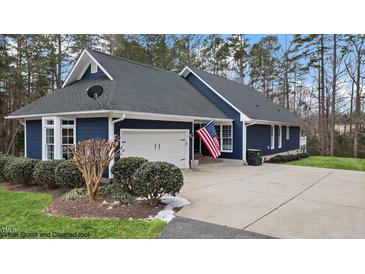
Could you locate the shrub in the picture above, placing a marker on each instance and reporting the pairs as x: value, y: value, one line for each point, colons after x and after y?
x: 4, y: 159
x: 20, y: 170
x: 74, y: 194
x: 123, y: 171
x: 44, y: 173
x: 116, y: 192
x: 155, y: 179
x: 303, y: 155
x: 285, y: 158
x: 68, y: 175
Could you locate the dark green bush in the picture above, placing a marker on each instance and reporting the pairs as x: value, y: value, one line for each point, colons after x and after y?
x: 44, y: 173
x: 123, y: 171
x: 75, y: 194
x: 4, y: 159
x: 68, y: 175
x: 20, y: 170
x: 285, y: 158
x: 155, y: 179
x: 303, y: 155
x: 116, y: 192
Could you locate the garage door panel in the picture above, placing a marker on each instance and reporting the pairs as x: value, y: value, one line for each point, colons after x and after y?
x: 169, y: 146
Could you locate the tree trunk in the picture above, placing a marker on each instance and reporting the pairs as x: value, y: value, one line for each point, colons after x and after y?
x: 351, y: 107
x: 357, y: 106
x: 322, y: 95
x: 334, y: 84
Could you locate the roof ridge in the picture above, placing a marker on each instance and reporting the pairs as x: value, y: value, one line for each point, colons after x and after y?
x: 218, y: 76
x: 131, y: 61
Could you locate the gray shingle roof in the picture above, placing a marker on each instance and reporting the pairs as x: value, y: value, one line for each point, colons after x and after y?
x: 248, y: 100
x: 136, y: 87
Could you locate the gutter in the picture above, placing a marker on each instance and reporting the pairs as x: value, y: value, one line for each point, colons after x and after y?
x: 119, y: 119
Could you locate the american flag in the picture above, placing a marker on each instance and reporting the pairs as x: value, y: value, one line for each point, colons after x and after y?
x: 209, y: 137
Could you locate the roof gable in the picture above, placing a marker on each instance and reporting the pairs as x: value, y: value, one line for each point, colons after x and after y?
x: 84, y: 61
x: 135, y: 88
x: 244, y: 98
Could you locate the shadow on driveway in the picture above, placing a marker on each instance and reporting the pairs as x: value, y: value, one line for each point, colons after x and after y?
x: 185, y: 228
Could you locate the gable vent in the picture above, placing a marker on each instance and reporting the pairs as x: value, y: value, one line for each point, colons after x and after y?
x: 94, y: 68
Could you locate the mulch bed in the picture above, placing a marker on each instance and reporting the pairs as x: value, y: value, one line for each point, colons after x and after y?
x: 83, y: 209
x: 22, y: 188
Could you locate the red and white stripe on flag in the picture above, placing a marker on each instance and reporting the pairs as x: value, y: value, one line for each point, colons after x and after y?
x: 210, y: 142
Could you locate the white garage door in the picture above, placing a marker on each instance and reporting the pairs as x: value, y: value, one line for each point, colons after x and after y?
x: 157, y: 145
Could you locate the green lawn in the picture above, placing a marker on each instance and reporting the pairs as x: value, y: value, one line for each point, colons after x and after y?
x: 332, y: 162
x: 22, y: 211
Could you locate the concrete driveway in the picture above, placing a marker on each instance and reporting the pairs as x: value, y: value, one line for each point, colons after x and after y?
x: 278, y: 200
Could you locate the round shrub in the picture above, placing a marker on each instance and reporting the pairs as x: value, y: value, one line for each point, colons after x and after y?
x: 155, y: 179
x: 75, y: 194
x: 116, y: 192
x: 68, y: 175
x: 123, y: 171
x: 44, y: 173
x: 20, y: 170
x: 5, y: 159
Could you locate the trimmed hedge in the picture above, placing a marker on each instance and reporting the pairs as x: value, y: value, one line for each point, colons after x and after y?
x: 5, y: 159
x: 20, y: 170
x: 155, y: 179
x: 287, y: 158
x: 123, y: 171
x: 44, y: 173
x: 68, y: 175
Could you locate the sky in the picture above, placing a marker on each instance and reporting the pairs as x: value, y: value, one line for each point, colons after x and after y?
x: 253, y: 38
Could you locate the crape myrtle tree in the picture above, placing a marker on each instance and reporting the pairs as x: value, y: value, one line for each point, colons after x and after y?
x: 92, y: 157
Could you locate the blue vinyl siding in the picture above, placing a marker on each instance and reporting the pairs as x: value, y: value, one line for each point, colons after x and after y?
x: 259, y: 137
x: 34, y: 139
x: 226, y: 109
x: 151, y: 124
x: 92, y: 128
x: 88, y: 73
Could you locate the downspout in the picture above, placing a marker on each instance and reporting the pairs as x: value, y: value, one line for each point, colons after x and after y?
x: 111, y: 137
x: 244, y: 133
x: 25, y: 136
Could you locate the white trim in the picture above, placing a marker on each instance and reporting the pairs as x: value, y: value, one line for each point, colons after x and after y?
x: 111, y: 137
x: 287, y: 134
x: 131, y: 115
x: 192, y: 142
x: 73, y: 70
x: 243, y: 117
x: 272, y: 137
x: 280, y: 137
x: 25, y: 138
x: 187, y: 151
x: 244, y: 142
x: 269, y: 122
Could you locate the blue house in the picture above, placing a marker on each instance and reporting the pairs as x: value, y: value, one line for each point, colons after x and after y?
x: 154, y: 113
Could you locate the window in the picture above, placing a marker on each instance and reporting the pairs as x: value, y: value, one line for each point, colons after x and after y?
x: 287, y: 135
x: 272, y: 137
x: 226, y: 138
x: 49, y: 139
x: 280, y: 137
x: 218, y: 131
x: 67, y: 136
